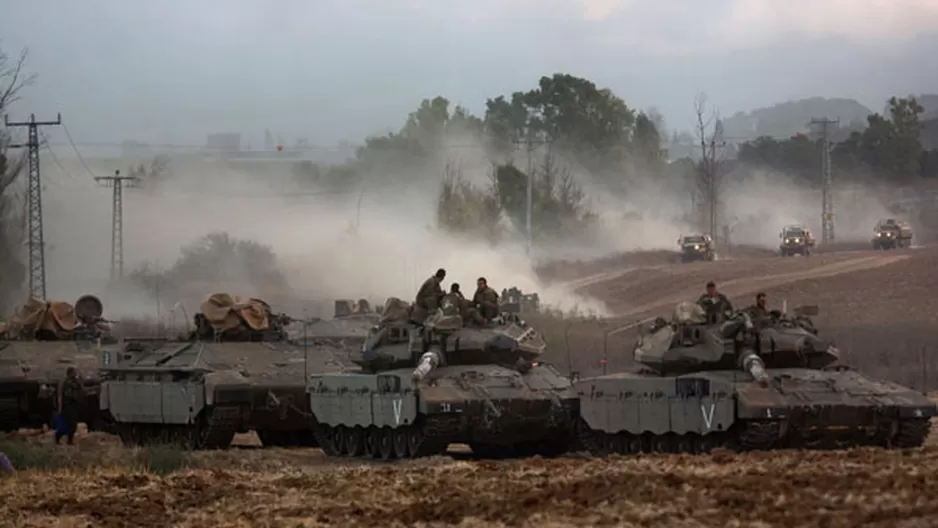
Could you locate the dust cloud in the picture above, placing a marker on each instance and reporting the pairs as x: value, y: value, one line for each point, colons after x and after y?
x: 757, y: 206
x: 373, y: 242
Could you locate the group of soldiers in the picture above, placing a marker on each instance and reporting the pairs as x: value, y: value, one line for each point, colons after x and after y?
x: 718, y: 307
x: 481, y: 310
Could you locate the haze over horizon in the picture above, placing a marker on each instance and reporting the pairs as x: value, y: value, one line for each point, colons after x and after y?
x: 171, y: 72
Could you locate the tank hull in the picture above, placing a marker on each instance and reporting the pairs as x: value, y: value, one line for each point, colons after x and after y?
x: 30, y: 373
x: 498, y: 411
x: 200, y: 394
x: 799, y: 408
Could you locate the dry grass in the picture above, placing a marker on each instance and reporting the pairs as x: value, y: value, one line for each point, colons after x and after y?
x: 851, y: 488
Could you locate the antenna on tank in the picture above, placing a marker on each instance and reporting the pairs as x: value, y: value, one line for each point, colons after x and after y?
x: 785, y: 306
x: 305, y: 348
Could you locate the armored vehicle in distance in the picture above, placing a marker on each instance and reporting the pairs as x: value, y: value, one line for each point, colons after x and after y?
x: 696, y: 247
x: 237, y: 371
x: 422, y: 387
x: 37, y: 345
x: 796, y: 240
x: 750, y: 383
x: 513, y: 300
x: 892, y: 234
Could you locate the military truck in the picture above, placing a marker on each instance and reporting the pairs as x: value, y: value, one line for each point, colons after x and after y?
x: 37, y: 345
x: 696, y: 247
x: 890, y: 233
x: 513, y: 300
x: 238, y: 370
x: 796, y: 240
x: 422, y: 387
x: 753, y: 382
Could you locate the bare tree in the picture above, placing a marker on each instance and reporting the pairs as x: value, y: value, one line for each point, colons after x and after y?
x: 12, y: 207
x: 709, y: 131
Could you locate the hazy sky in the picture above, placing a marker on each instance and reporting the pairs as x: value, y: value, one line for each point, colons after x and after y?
x: 174, y: 70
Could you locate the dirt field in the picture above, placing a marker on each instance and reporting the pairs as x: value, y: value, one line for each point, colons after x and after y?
x: 297, y: 488
x: 881, y: 308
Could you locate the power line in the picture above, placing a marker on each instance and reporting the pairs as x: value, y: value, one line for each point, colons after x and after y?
x: 117, y: 221
x: 74, y: 148
x: 37, y: 252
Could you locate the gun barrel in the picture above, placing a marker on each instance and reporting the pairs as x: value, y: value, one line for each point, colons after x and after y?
x: 428, y: 361
x: 753, y: 364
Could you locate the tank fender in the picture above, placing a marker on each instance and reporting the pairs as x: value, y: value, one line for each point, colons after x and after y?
x: 640, y: 405
x: 388, y: 399
x: 755, y: 402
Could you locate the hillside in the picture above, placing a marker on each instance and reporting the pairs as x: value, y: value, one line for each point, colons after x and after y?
x: 784, y: 120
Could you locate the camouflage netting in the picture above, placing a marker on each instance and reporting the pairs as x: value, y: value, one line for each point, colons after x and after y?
x: 395, y: 311
x: 225, y: 312
x: 56, y: 317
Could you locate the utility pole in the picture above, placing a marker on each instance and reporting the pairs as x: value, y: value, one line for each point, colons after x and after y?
x: 117, y: 220
x: 827, y: 202
x: 531, y: 143
x: 37, y: 248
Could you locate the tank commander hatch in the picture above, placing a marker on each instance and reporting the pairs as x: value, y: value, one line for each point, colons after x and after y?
x: 717, y: 306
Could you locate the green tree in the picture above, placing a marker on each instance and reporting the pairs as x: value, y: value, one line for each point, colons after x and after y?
x: 889, y: 146
x: 589, y: 122
x: 798, y: 155
x: 215, y: 259
x: 464, y: 208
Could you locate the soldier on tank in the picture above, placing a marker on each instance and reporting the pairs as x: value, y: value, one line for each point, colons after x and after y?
x: 717, y: 306
x: 759, y: 309
x: 485, y: 300
x: 454, y: 290
x: 71, y: 393
x: 431, y: 292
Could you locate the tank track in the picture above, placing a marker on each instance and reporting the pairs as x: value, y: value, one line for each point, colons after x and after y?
x: 911, y: 433
x: 220, y: 426
x: 378, y: 443
x: 746, y: 436
x: 214, y: 430
x: 9, y: 414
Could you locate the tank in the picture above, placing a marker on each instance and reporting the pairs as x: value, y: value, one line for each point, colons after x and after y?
x: 39, y: 342
x: 239, y: 369
x: 696, y: 247
x: 796, y: 240
x: 749, y: 383
x: 419, y: 388
x: 890, y: 233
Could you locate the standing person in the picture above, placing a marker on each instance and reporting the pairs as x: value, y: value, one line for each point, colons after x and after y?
x: 71, y: 394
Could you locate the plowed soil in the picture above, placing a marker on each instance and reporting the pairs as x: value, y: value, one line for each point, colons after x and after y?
x: 848, y: 489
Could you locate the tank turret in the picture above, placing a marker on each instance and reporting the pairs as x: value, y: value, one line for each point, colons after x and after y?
x: 445, y: 338
x: 687, y: 344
